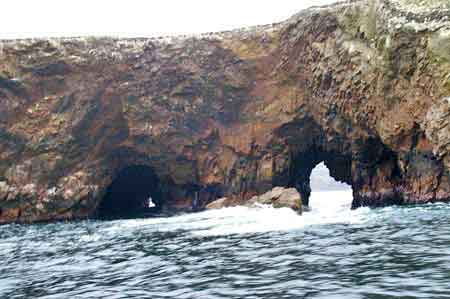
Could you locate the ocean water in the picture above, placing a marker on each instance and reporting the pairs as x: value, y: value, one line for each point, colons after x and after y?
x: 330, y: 252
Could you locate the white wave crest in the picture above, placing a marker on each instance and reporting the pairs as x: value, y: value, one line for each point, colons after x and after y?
x: 326, y: 208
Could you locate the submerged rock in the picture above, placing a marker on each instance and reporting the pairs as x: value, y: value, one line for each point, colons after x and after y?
x: 361, y: 85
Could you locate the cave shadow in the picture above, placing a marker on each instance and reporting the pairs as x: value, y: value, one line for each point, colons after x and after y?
x: 129, y: 193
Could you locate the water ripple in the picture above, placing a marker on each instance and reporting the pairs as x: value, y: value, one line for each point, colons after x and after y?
x: 331, y: 252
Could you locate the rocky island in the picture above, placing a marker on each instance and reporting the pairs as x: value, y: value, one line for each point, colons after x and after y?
x: 362, y: 85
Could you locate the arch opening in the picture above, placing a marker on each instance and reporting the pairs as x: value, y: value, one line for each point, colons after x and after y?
x: 329, y: 198
x: 322, y: 181
x: 334, y: 169
x: 135, y: 192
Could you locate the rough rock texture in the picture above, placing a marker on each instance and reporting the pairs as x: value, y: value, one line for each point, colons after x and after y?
x: 363, y: 86
x: 278, y: 197
x: 220, y: 203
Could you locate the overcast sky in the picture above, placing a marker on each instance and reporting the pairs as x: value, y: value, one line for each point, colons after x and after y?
x: 134, y: 18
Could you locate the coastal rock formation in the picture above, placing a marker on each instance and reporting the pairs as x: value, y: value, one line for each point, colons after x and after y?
x: 278, y: 197
x: 363, y: 86
x: 220, y: 203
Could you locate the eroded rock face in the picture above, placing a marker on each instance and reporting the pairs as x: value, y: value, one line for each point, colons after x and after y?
x: 362, y: 86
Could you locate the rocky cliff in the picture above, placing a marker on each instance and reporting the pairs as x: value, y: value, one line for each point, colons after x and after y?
x: 362, y: 85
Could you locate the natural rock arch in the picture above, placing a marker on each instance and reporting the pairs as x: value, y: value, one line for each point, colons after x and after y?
x: 309, y: 143
x: 362, y: 85
x: 303, y: 165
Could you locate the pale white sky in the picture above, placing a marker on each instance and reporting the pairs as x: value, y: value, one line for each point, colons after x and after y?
x: 139, y: 18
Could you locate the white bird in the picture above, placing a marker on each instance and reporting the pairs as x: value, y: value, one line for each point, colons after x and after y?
x: 151, y: 204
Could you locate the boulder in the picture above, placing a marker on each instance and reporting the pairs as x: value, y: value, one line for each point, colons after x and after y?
x: 218, y: 204
x: 280, y: 197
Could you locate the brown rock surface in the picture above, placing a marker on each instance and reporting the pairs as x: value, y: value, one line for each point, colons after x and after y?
x: 219, y: 204
x: 280, y: 197
x: 361, y: 85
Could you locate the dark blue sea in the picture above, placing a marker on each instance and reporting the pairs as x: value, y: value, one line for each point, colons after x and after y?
x: 261, y: 252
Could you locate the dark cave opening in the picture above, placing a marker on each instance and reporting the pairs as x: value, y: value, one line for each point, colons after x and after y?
x: 131, y: 194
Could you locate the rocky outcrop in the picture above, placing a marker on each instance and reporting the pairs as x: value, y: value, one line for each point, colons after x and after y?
x: 278, y: 197
x: 361, y: 85
x: 220, y: 203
